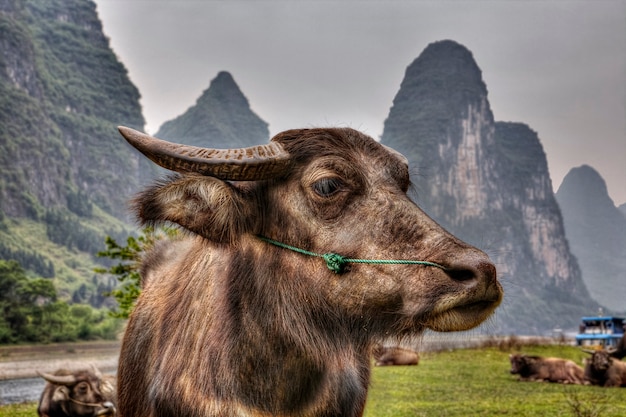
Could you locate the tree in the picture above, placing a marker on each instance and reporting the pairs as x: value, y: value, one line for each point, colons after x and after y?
x: 30, y: 312
x: 127, y: 270
x: 21, y: 302
x: 14, y: 316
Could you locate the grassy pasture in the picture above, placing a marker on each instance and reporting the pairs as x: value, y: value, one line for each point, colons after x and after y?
x: 469, y: 382
x: 477, y: 382
x: 19, y: 410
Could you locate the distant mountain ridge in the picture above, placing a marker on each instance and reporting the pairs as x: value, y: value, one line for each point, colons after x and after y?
x: 596, y: 231
x: 221, y: 118
x: 488, y: 183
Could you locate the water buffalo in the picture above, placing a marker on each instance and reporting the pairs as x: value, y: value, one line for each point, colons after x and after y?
x: 394, y: 355
x: 537, y: 368
x: 266, y: 307
x: 603, y: 370
x: 83, y: 393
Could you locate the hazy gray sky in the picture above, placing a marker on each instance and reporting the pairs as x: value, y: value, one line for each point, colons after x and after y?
x: 558, y: 66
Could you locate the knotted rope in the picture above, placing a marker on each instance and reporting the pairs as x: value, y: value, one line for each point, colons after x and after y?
x: 337, y: 263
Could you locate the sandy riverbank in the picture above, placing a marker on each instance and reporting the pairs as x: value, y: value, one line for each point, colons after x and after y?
x: 25, y: 361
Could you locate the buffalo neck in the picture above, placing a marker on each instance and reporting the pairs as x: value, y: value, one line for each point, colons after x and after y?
x: 286, y: 339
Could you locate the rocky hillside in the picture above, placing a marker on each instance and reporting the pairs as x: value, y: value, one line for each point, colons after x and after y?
x: 220, y: 118
x: 63, y: 91
x: 488, y: 183
x: 596, y: 231
x: 65, y: 173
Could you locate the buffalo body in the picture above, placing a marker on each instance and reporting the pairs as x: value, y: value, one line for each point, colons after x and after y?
x: 537, y: 368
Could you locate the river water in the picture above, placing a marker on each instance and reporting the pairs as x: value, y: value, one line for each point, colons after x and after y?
x: 21, y: 390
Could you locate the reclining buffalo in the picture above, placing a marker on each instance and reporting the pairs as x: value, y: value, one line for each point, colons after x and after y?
x: 299, y: 256
x: 394, y: 355
x: 604, y: 370
x: 82, y: 393
x: 537, y: 368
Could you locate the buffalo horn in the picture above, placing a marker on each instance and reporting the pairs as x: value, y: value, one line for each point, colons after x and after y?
x: 96, y: 371
x: 58, y: 379
x: 243, y: 164
x: 589, y: 351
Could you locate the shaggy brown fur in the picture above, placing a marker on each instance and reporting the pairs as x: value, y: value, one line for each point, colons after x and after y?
x: 230, y: 325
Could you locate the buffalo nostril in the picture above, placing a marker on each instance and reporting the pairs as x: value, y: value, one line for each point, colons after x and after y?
x: 461, y: 274
x: 483, y: 271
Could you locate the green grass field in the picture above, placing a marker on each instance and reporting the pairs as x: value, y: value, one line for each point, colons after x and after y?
x: 469, y: 382
x: 477, y: 382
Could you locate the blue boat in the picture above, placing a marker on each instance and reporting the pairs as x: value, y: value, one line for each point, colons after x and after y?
x: 600, y: 332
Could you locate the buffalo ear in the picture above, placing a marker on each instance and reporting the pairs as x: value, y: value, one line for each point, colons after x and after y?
x: 207, y: 206
x: 61, y: 394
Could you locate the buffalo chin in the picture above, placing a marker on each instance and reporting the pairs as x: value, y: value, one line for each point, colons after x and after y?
x: 464, y: 317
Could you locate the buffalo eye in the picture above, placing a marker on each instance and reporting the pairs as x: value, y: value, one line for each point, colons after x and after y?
x: 326, y: 187
x: 82, y: 388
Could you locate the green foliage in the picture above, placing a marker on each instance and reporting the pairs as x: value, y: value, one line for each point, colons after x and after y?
x: 64, y: 178
x: 127, y: 269
x: 30, y: 312
x: 79, y: 203
x: 19, y: 300
x: 29, y: 260
x: 62, y: 93
x: 72, y: 270
x: 65, y: 229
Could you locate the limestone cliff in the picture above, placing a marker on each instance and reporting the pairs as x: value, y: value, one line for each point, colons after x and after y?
x: 596, y: 231
x: 62, y: 94
x: 488, y: 183
x: 65, y: 172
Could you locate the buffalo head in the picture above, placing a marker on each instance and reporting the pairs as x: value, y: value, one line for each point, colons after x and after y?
x: 84, y: 393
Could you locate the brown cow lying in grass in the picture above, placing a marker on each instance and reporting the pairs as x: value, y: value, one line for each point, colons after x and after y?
x: 395, y: 355
x: 604, y: 370
x: 536, y: 368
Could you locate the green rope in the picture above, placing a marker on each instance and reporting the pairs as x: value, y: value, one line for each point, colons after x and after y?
x: 337, y: 263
